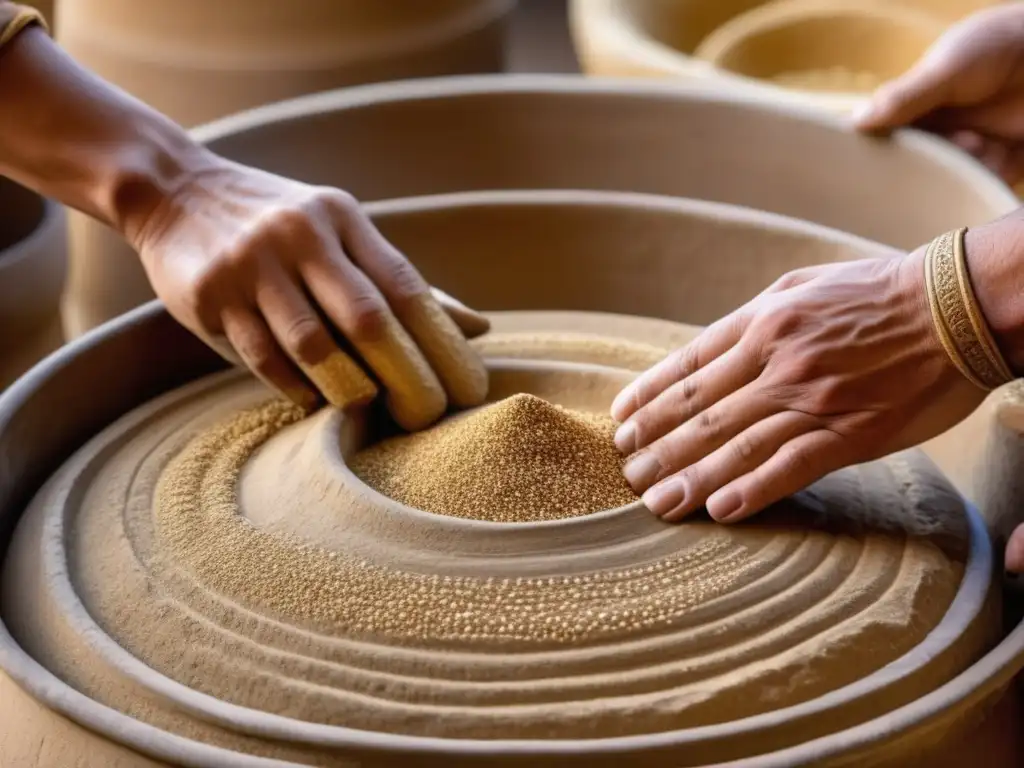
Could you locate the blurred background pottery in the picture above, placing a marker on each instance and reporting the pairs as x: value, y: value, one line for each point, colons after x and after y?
x: 556, y: 132
x: 33, y: 262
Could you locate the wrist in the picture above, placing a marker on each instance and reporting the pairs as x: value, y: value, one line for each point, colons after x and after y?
x: 995, y: 262
x: 73, y: 137
x: 144, y: 174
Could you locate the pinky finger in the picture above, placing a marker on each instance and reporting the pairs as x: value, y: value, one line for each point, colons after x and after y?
x: 259, y: 351
x: 798, y: 463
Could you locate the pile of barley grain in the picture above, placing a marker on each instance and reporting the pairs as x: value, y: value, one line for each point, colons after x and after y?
x: 518, y: 460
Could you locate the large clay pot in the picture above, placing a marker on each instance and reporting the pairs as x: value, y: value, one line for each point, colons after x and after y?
x: 945, y: 702
x: 660, y: 38
x: 196, y: 61
x: 550, y: 132
x: 33, y: 262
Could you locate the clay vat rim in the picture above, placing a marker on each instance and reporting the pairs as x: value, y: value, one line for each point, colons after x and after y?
x: 471, y: 20
x: 744, y: 99
x: 776, y: 15
x: 549, y: 199
x: 996, y: 668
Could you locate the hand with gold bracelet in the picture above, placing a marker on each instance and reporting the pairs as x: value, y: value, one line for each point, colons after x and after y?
x: 265, y: 269
x: 831, y: 366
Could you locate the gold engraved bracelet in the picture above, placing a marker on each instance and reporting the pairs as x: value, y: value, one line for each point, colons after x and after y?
x: 23, y: 17
x: 957, y: 317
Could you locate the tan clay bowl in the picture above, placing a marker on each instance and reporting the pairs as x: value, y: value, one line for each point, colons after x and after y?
x: 584, y: 240
x: 660, y: 38
x: 551, y: 132
x: 33, y: 263
x: 837, y: 50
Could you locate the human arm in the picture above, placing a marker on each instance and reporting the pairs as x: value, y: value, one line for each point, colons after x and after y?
x: 266, y: 268
x: 831, y: 366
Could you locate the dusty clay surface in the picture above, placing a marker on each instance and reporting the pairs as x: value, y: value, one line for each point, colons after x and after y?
x: 221, y: 540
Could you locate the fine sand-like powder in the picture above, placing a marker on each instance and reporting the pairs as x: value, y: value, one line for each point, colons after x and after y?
x: 834, y: 79
x: 518, y: 460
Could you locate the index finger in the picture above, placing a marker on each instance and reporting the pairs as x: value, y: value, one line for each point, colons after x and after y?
x: 457, y: 365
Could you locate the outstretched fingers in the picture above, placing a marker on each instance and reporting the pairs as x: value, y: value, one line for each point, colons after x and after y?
x: 687, y: 490
x: 795, y: 465
x: 713, y: 342
x: 687, y: 400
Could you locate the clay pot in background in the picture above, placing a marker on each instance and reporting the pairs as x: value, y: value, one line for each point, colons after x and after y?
x: 197, y: 60
x: 834, y: 51
x: 552, y: 132
x: 658, y: 38
x: 33, y: 262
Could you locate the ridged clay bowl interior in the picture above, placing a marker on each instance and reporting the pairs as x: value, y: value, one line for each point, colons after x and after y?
x: 33, y: 264
x: 595, y: 262
x: 660, y: 38
x: 556, y: 132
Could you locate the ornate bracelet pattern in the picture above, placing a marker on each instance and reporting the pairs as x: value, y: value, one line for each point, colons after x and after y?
x: 23, y: 17
x: 958, y: 320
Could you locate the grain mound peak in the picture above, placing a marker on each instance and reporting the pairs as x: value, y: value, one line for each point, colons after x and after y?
x: 521, y: 459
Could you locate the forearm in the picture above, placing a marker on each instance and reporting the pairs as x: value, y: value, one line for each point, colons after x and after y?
x: 995, y: 260
x: 73, y: 137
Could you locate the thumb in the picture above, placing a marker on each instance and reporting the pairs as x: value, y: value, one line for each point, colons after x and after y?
x: 905, y: 100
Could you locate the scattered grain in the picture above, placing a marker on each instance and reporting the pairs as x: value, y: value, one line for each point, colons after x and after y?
x: 518, y: 460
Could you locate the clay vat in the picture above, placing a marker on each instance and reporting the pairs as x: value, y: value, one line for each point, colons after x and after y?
x: 659, y: 38
x: 934, y: 699
x: 544, y: 132
x: 33, y: 261
x: 839, y: 51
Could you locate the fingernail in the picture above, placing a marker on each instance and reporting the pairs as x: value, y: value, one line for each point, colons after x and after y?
x: 625, y: 438
x: 664, y: 497
x: 621, y: 403
x: 642, y: 471
x: 724, y: 507
x: 864, y: 112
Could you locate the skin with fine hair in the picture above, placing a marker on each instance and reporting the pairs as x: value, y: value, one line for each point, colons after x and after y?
x: 840, y: 364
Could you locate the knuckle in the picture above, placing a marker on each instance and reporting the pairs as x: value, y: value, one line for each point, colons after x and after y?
x: 689, y: 397
x: 304, y: 336
x: 708, y: 425
x: 340, y: 199
x: 205, y: 296
x: 692, y: 480
x: 744, y: 449
x: 795, y: 462
x: 404, y: 281
x: 367, y: 317
x: 258, y: 354
x: 286, y: 223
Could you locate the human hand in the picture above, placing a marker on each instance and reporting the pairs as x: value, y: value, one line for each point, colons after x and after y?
x: 968, y: 87
x: 264, y: 268
x: 831, y: 366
